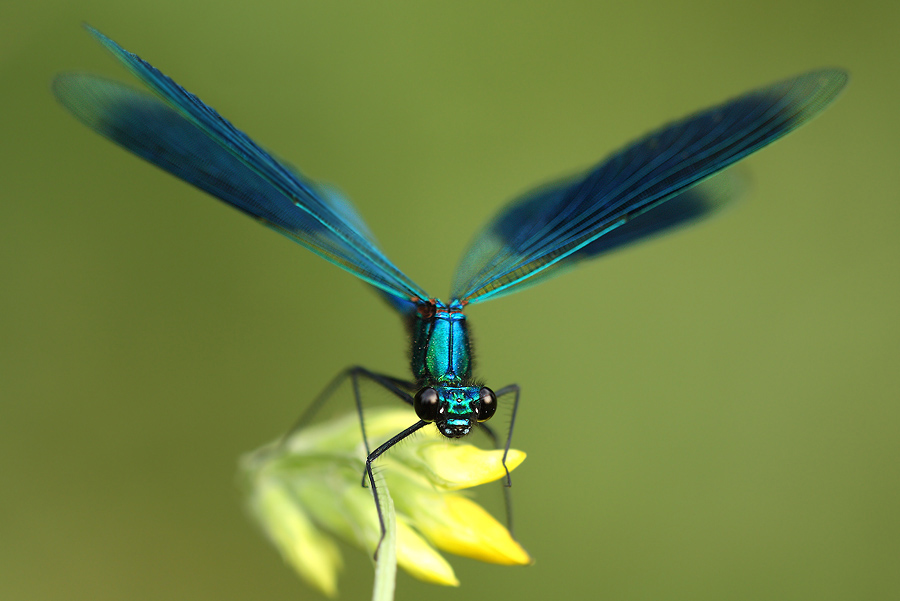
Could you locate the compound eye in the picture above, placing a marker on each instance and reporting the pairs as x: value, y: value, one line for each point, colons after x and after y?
x: 426, y: 404
x: 487, y: 405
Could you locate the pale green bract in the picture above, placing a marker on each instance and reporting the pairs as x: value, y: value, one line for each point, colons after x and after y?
x: 306, y: 490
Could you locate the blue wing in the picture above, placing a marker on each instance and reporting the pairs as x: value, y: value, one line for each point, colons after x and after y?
x: 644, y: 189
x: 189, y: 139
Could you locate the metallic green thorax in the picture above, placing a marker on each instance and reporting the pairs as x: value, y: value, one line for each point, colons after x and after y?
x: 440, y: 345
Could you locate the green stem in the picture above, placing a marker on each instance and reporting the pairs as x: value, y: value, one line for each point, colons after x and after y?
x: 386, y: 565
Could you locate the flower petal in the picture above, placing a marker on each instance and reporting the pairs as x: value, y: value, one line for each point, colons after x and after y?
x: 337, y: 502
x: 455, y: 524
x: 456, y: 466
x: 309, y: 551
x: 419, y: 559
x: 342, y: 435
x: 307, y: 485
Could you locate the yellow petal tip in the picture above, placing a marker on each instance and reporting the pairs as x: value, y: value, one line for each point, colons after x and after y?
x: 465, y: 528
x: 462, y: 465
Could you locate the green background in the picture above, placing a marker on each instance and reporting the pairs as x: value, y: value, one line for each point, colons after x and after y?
x: 712, y: 415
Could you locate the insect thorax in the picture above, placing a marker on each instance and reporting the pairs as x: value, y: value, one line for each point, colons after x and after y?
x: 440, y: 345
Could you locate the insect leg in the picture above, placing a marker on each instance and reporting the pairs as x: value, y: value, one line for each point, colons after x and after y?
x: 400, y: 388
x: 375, y: 455
x: 394, y: 385
x: 512, y: 422
x: 507, y: 493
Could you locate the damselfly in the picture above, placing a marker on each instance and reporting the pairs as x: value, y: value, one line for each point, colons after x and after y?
x: 652, y: 185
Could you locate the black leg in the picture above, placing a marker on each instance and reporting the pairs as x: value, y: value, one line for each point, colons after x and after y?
x: 512, y: 422
x: 400, y: 388
x: 395, y: 385
x: 507, y: 493
x: 375, y: 455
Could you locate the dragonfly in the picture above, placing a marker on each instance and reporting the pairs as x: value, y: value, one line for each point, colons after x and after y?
x: 667, y: 179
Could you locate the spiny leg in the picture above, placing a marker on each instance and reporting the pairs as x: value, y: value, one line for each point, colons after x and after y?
x: 389, y: 383
x: 394, y: 385
x: 507, y: 493
x: 398, y: 387
x: 375, y: 455
x: 512, y: 422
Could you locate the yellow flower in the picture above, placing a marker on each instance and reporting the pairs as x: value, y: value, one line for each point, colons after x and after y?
x: 304, y: 490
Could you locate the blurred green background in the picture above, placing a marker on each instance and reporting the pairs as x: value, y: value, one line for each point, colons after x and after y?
x: 711, y: 415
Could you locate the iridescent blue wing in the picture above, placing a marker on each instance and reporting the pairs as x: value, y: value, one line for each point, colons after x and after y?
x: 187, y: 138
x: 644, y: 189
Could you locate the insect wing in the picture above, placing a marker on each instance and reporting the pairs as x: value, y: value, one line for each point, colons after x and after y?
x: 559, y: 224
x: 189, y: 139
